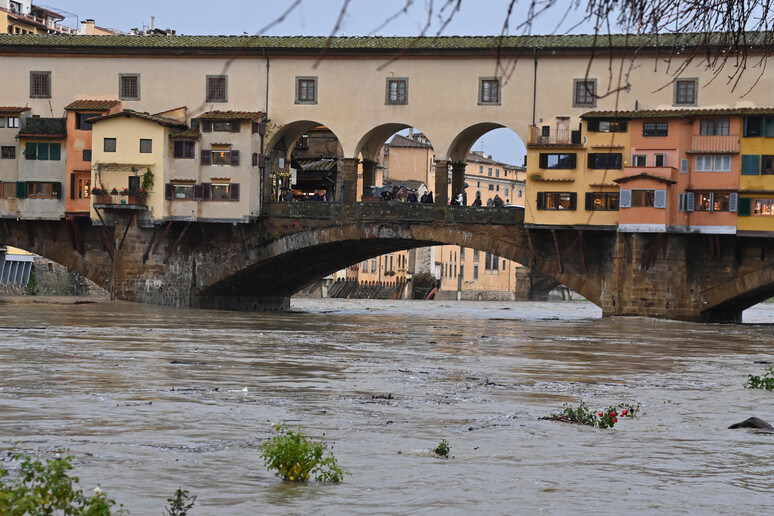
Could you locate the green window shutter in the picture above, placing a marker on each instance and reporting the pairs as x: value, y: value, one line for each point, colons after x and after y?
x: 745, y: 207
x: 56, y: 152
x: 21, y: 189
x: 57, y: 189
x: 31, y: 150
x: 43, y: 151
x: 751, y: 164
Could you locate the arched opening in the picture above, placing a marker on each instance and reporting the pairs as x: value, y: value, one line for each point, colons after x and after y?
x: 26, y: 274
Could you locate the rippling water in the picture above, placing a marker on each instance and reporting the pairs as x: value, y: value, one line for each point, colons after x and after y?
x: 149, y: 399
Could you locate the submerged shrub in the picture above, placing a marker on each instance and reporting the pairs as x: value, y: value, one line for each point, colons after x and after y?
x: 180, y: 504
x: 443, y: 448
x: 606, y: 418
x: 44, y: 488
x: 297, y: 458
x: 761, y: 382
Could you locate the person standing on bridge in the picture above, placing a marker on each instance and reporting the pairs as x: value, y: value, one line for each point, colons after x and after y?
x: 477, y: 202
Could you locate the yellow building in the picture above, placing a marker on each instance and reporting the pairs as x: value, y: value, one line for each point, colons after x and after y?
x: 23, y: 17
x: 756, y: 183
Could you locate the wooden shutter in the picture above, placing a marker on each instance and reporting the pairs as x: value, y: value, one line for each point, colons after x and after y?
x: 589, y: 201
x: 543, y: 160
x: 690, y: 201
x: 733, y: 202
x: 751, y: 165
x: 592, y: 125
x: 56, y: 152
x: 236, y: 126
x: 234, y: 158
x: 541, y: 200
x: 57, y: 187
x: 206, y: 191
x: 573, y: 200
x: 198, y: 192
x: 43, y: 151
x: 206, y: 126
x: 255, y: 159
x: 744, y: 208
x: 233, y: 192
x: 625, y: 199
x: 623, y: 126
x: 206, y: 157
x: 591, y: 160
x: 573, y: 160
x: 683, y: 166
x: 21, y: 189
x: 169, y: 191
x: 72, y: 186
x: 31, y: 150
x: 659, y: 199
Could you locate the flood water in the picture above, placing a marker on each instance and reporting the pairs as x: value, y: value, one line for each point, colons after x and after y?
x: 150, y: 399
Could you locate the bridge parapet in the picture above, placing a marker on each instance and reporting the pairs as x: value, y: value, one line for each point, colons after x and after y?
x: 395, y: 212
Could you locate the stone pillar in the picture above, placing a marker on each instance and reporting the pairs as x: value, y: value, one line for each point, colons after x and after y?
x: 441, y: 193
x: 458, y: 180
x: 369, y: 175
x: 346, y: 182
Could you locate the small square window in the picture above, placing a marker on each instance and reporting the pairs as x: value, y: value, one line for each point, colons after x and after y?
x: 2, y: 122
x: 8, y: 152
x: 217, y: 88
x: 584, y: 93
x: 13, y: 122
x: 129, y: 86
x: 82, y: 120
x: 109, y: 145
x: 685, y: 92
x: 306, y: 90
x: 489, y: 90
x: 40, y: 85
x: 87, y: 155
x: 184, y: 149
x: 659, y: 160
x: 146, y: 146
x: 639, y: 160
x: 397, y: 91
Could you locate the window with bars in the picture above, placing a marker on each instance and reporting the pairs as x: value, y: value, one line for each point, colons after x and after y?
x: 489, y: 90
x: 584, y: 93
x: 40, y: 85
x: 129, y: 86
x: 655, y: 129
x: 306, y: 90
x: 397, y: 91
x: 685, y: 92
x: 217, y: 88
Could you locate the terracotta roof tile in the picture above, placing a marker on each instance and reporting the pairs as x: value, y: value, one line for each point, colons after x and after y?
x: 232, y: 115
x: 645, y: 175
x: 43, y: 128
x: 165, y: 121
x: 678, y: 113
x: 402, y: 141
x: 13, y: 110
x: 99, y: 105
x: 188, y: 134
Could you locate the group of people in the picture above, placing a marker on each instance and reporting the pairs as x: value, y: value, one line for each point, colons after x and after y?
x: 286, y: 195
x: 497, y: 202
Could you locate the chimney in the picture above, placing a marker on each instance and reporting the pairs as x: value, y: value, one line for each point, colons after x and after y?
x: 87, y: 27
x: 153, y: 23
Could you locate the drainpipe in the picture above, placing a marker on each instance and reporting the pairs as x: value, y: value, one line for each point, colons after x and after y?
x: 262, y: 132
x: 534, y: 87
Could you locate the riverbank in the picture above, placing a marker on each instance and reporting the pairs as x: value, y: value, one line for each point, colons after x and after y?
x: 53, y: 300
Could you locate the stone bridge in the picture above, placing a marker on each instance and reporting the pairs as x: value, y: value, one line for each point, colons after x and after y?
x: 259, y: 265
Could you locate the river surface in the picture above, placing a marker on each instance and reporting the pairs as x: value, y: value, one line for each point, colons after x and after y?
x: 150, y: 399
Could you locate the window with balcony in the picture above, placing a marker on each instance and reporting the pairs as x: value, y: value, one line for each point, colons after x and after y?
x: 306, y: 90
x: 714, y: 127
x: 685, y: 92
x: 584, y: 93
x: 557, y: 161
x: 217, y: 88
x: 556, y: 200
x: 129, y: 86
x: 397, y: 91
x: 40, y: 85
x: 489, y: 90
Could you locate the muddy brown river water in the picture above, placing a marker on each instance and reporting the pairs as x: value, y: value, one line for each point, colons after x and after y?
x: 149, y: 399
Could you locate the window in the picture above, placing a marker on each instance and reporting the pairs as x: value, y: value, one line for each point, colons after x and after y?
x: 714, y: 127
x: 475, y: 272
x: 659, y: 160
x: 605, y: 160
x: 584, y: 93
x: 43, y: 190
x: 490, y: 262
x: 8, y: 190
x: 397, y: 91
x: 184, y: 149
x: 129, y: 86
x: 82, y: 120
x: 476, y: 254
x: 2, y: 122
x: 109, y: 145
x: 228, y: 126
x: 558, y: 161
x: 303, y: 142
x: 758, y: 126
x: 146, y: 146
x: 767, y: 165
x: 8, y: 152
x: 224, y: 192
x: 639, y: 160
x: 491, y: 188
x: 763, y: 207
x: 654, y: 129
x: 16, y: 7
x: 489, y: 90
x: 702, y: 201
x: 643, y: 198
x: 306, y: 90
x: 217, y: 88
x: 490, y: 171
x: 220, y: 157
x: 607, y: 126
x: 556, y: 200
x: 497, y: 172
x: 708, y: 201
x: 43, y: 151
x: 13, y: 121
x: 182, y: 191
x: 602, y: 201
x: 81, y: 186
x: 40, y: 85
x: 708, y: 163
x: 87, y: 155
x: 685, y: 92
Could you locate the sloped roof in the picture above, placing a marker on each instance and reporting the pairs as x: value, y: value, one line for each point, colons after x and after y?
x: 43, y: 128
x: 678, y: 113
x: 402, y: 141
x: 317, y: 165
x: 232, y: 115
x: 97, y: 105
x: 13, y: 110
x: 188, y: 134
x: 645, y: 175
x: 477, y: 158
x: 162, y: 120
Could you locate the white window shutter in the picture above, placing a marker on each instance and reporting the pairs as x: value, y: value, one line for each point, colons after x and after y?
x: 625, y: 199
x: 733, y: 200
x: 659, y: 199
x: 683, y: 166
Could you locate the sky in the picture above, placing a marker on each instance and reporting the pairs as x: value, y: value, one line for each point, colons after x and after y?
x: 319, y: 18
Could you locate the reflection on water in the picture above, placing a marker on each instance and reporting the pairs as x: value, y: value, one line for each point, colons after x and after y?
x: 150, y: 399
